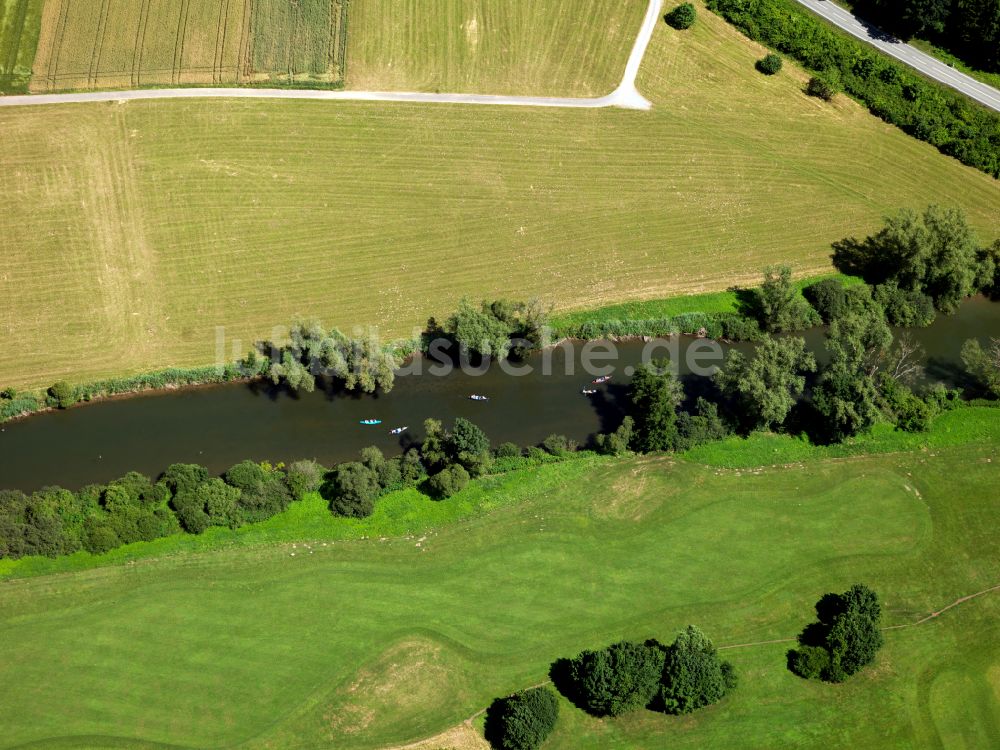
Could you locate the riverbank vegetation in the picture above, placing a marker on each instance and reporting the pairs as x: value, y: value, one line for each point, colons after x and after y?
x: 922, y: 108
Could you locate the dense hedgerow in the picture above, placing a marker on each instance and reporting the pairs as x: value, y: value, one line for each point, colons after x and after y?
x: 921, y: 108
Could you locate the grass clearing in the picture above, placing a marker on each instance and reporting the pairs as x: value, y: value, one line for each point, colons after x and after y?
x: 365, y: 643
x: 155, y: 222
x: 528, y: 47
x: 88, y: 44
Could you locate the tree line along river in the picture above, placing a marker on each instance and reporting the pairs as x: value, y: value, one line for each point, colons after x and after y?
x: 218, y: 426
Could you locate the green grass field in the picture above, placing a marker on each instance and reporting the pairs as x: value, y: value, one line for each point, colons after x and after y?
x: 152, y: 223
x: 133, y: 43
x: 320, y: 637
x: 541, y: 47
x: 20, y: 21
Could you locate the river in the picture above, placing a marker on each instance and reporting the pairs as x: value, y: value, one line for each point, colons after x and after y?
x: 218, y: 426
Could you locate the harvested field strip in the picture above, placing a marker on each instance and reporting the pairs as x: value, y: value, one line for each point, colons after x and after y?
x: 19, y: 25
x: 128, y: 43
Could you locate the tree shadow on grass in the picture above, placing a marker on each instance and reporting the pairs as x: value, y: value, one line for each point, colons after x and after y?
x: 493, y: 727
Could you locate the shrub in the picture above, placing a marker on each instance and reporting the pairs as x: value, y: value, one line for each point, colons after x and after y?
x: 736, y: 327
x: 910, y: 413
x: 263, y: 492
x: 18, y: 406
x: 810, y: 662
x: 907, y: 309
x: 620, y: 678
x: 411, y: 469
x: 351, y: 489
x: 507, y: 450
x: 303, y: 477
x: 617, y: 442
x: 448, y: 481
x: 682, y: 17
x: 983, y: 363
x: 522, y: 721
x: 704, y: 426
x: 827, y: 298
x: 184, y: 477
x: 64, y: 394
x: 558, y: 445
x: 693, y: 674
x: 769, y: 64
x: 821, y: 87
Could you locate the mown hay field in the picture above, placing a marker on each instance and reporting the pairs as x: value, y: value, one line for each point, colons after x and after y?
x: 540, y: 47
x: 134, y: 43
x: 322, y: 638
x: 131, y: 231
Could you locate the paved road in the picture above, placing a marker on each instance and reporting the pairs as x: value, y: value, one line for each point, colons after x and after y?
x: 625, y: 96
x: 921, y: 61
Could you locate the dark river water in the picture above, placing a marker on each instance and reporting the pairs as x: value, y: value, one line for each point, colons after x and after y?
x: 220, y: 425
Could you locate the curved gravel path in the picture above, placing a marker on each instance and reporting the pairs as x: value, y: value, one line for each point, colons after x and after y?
x: 626, y: 96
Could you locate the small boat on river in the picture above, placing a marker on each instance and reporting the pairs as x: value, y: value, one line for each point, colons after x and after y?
x: 475, y: 397
x: 398, y: 430
x: 588, y: 391
x: 371, y: 421
x: 602, y: 379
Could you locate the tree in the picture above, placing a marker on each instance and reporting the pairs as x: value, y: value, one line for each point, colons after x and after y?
x: 983, y: 363
x: 434, y: 450
x: 767, y: 386
x: 351, y: 490
x: 987, y: 272
x: 655, y: 394
x: 469, y: 446
x: 370, y: 366
x: 693, y: 674
x: 780, y: 305
x: 295, y: 374
x: 935, y: 253
x: 620, y: 678
x: 769, y: 64
x: 854, y: 637
x: 682, y: 17
x: 846, y: 395
x: 522, y: 721
x: 846, y: 632
x: 65, y: 394
x: 479, y: 330
x: 450, y: 480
